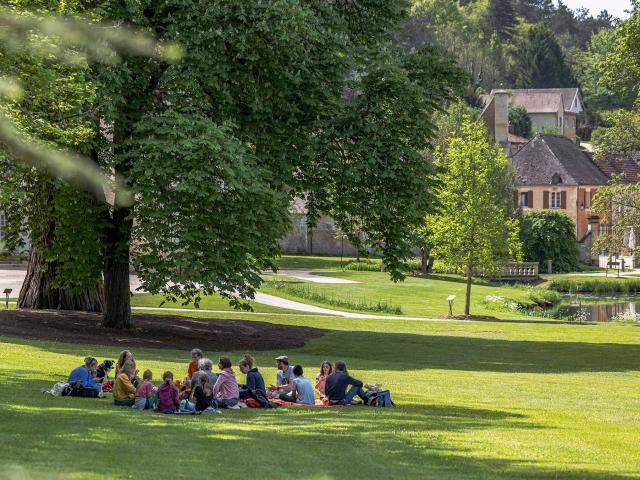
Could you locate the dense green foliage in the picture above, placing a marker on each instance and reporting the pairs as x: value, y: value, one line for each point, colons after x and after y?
x: 472, y: 230
x: 540, y: 62
x: 270, y: 100
x: 549, y: 235
x: 520, y: 121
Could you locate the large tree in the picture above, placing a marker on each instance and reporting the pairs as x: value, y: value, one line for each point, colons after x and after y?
x: 540, y: 62
x: 270, y: 100
x: 474, y: 231
x: 502, y: 18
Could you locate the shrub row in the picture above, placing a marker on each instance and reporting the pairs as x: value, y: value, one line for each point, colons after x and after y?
x: 598, y: 287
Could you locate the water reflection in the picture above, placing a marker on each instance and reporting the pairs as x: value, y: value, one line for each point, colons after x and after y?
x: 600, y: 312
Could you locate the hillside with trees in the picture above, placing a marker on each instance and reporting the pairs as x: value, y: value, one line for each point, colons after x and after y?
x: 523, y: 44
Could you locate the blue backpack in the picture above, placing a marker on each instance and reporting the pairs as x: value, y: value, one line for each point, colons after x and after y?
x: 383, y: 399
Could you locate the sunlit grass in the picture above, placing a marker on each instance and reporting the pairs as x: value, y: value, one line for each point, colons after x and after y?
x: 475, y: 400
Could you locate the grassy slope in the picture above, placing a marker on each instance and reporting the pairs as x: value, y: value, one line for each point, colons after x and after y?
x: 476, y: 400
x: 416, y: 296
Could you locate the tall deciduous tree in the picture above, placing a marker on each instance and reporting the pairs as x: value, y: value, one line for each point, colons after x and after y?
x: 270, y: 100
x: 474, y: 231
x: 520, y: 121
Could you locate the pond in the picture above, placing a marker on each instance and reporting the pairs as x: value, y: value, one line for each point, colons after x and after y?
x: 586, y: 309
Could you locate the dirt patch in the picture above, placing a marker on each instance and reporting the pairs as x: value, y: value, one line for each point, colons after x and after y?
x: 154, y: 331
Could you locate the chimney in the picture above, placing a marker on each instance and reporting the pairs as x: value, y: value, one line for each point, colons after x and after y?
x: 501, y: 126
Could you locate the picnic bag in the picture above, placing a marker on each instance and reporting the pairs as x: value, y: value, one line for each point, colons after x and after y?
x: 381, y: 399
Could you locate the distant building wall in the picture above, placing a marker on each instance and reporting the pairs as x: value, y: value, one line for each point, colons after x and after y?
x: 541, y: 120
x: 321, y: 240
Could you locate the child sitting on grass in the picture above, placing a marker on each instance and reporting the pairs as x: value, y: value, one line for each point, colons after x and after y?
x: 146, y: 393
x: 168, y: 398
x: 124, y: 393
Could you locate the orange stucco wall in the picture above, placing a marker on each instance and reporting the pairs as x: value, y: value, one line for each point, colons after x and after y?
x: 575, y: 206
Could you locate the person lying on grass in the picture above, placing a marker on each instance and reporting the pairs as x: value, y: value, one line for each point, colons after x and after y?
x: 302, y: 391
x: 124, y: 393
x: 337, y: 384
x: 326, y: 369
x: 84, y: 375
x: 146, y: 393
x: 284, y: 378
x: 225, y: 391
x: 168, y: 397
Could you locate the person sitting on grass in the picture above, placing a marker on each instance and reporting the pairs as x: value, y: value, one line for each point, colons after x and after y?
x: 83, y: 377
x: 337, y: 384
x: 284, y: 378
x: 124, y: 393
x: 146, y: 395
x: 302, y: 389
x: 168, y: 397
x: 185, y: 385
x: 225, y: 391
x: 200, y: 397
x: 126, y: 358
x: 326, y: 369
x: 205, y: 366
x: 254, y: 387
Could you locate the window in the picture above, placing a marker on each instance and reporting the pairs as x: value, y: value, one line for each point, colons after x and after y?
x: 524, y: 200
x: 2, y: 222
x: 555, y: 199
x: 587, y: 199
x: 566, y: 122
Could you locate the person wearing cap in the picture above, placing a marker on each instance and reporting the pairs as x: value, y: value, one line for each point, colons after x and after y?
x: 84, y: 375
x: 284, y: 378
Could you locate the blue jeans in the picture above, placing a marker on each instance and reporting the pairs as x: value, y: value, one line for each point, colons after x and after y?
x: 353, y: 391
x: 224, y: 402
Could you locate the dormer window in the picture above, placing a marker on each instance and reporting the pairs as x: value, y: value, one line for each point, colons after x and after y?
x: 556, y: 179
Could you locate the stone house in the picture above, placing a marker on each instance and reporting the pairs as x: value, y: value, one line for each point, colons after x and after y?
x: 553, y: 172
x: 547, y: 107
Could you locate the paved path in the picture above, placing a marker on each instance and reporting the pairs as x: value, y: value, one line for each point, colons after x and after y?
x: 313, y: 277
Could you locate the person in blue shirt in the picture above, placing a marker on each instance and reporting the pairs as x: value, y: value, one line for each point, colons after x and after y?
x: 337, y: 384
x: 302, y: 391
x: 284, y: 378
x: 84, y: 375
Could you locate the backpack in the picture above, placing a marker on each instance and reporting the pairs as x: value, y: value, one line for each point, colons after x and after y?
x: 381, y: 399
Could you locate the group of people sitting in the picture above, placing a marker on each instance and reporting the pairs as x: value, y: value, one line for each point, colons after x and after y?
x: 202, y: 390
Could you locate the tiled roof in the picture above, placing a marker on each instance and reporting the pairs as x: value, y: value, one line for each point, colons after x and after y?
x: 547, y: 158
x: 625, y: 164
x: 536, y: 101
x: 568, y: 94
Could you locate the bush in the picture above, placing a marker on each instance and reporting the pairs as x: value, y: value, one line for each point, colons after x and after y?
x: 544, y: 296
x: 363, y: 266
x: 550, y: 235
x: 521, y: 121
x: 595, y: 286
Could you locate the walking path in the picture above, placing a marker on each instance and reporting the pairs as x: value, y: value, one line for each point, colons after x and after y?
x: 312, y: 277
x: 13, y: 279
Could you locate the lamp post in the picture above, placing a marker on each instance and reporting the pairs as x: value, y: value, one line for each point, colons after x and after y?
x: 450, y: 299
x: 7, y: 292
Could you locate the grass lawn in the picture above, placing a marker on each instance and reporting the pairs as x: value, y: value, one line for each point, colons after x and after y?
x: 305, y: 262
x: 209, y: 302
x: 475, y: 400
x: 425, y: 297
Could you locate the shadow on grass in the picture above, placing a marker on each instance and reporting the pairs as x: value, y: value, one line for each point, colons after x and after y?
x: 406, y: 442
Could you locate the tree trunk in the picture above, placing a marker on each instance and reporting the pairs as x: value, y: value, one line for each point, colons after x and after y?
x: 424, y: 265
x: 467, y: 302
x: 38, y: 292
x: 117, y: 311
